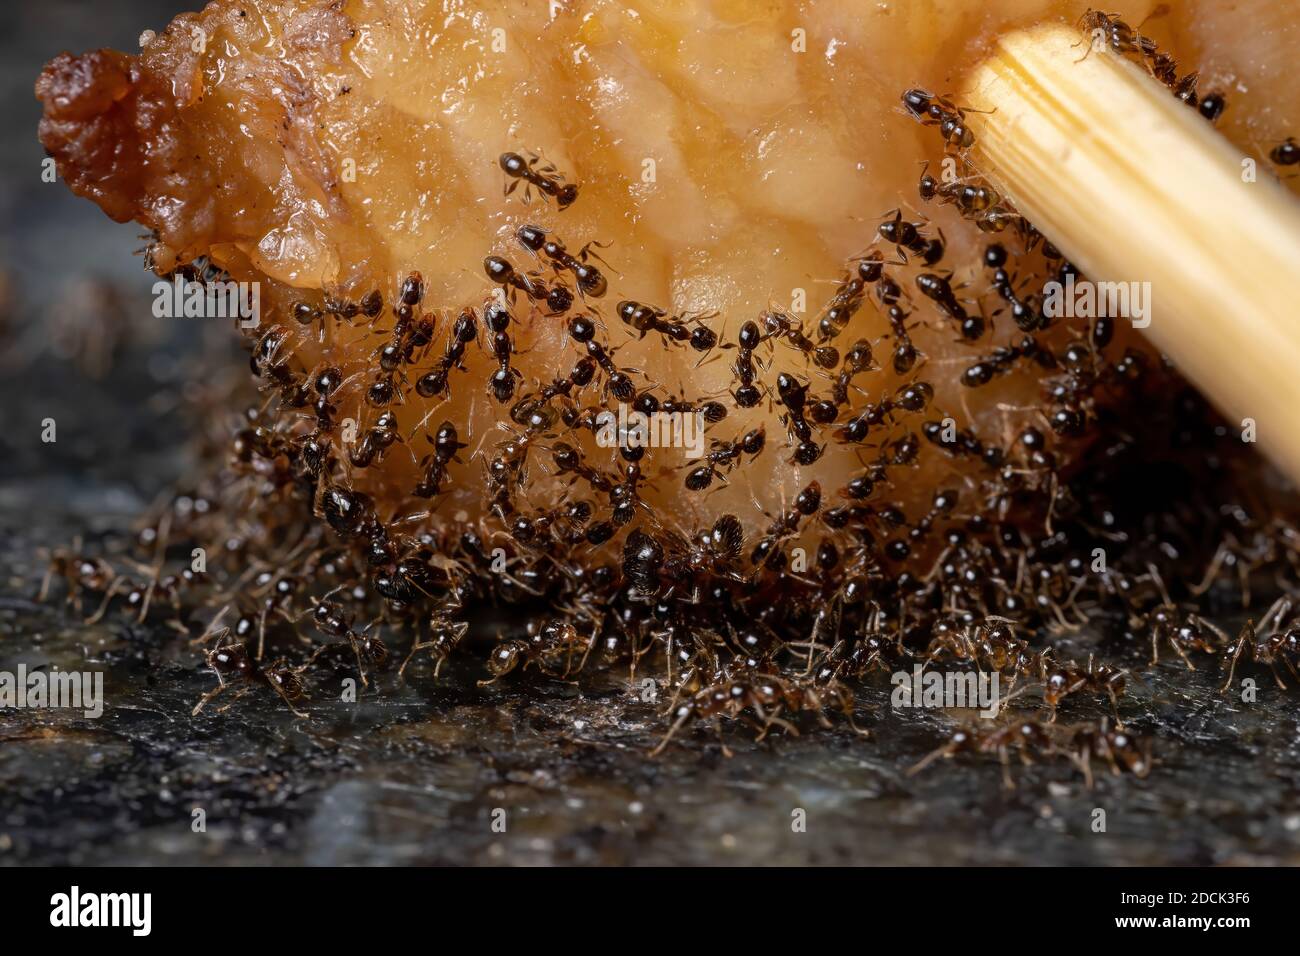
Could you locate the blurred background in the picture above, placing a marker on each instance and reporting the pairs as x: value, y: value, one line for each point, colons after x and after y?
x: 76, y: 331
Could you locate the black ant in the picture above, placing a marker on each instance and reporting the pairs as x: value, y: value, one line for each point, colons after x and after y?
x: 913, y: 397
x: 938, y: 289
x: 582, y: 329
x: 779, y: 325
x: 1003, y: 358
x: 545, y: 179
x: 503, y: 273
x: 794, y: 396
x: 906, y: 236
x: 590, y: 280
x: 747, y: 394
x: 501, y: 384
x: 842, y: 306
x: 725, y: 454
x: 931, y: 110
x: 378, y: 439
x: 646, y: 318
x: 464, y: 331
x: 445, y: 446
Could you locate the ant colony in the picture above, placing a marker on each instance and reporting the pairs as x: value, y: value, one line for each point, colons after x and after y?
x: 909, y: 462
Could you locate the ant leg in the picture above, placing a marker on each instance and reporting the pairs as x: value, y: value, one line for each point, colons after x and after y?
x: 261, y: 632
x: 1272, y: 666
x: 108, y: 596
x: 285, y: 697
x: 45, y: 585
x: 1247, y: 631
x: 417, y: 646
x: 1084, y: 762
x: 945, y: 751
x: 1212, y: 571
x: 686, y: 715
x: 1004, y: 757
x: 356, y: 652
x: 208, y: 698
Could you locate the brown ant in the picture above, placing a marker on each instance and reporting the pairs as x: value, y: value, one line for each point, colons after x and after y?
x: 1062, y: 680
x: 443, y: 635
x: 233, y: 666
x: 1278, y: 644
x: 335, y: 620
x: 1121, y: 750
x: 551, y: 648
x: 1023, y: 737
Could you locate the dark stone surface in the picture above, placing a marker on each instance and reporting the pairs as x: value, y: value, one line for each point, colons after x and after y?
x: 413, y: 773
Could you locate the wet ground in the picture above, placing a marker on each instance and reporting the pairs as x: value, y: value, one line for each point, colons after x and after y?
x: 426, y: 771
x: 420, y: 770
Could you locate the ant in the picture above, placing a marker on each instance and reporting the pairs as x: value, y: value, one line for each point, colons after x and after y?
x: 1119, y: 749
x: 435, y: 382
x: 1003, y: 358
x: 445, y: 446
x: 1278, y: 644
x: 843, y: 304
x: 333, y: 619
x: 780, y: 325
x: 378, y: 439
x: 544, y: 179
x: 590, y: 280
x: 232, y: 663
x: 747, y: 395
x: 794, y: 396
x: 1024, y: 312
x: 503, y: 273
x: 938, y: 289
x: 725, y: 454
x: 1062, y: 680
x: 444, y: 634
x: 550, y: 648
x: 1118, y: 35
x: 906, y: 236
x: 931, y: 110
x: 582, y: 329
x: 78, y: 573
x: 501, y: 384
x: 913, y: 397
x: 647, y: 318
x: 1023, y: 737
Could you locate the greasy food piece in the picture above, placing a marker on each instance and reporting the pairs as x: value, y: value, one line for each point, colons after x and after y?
x: 735, y: 163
